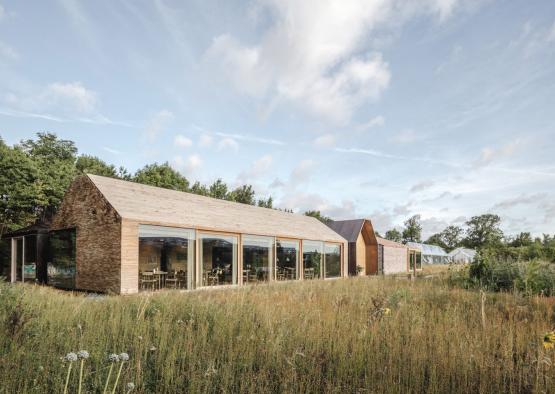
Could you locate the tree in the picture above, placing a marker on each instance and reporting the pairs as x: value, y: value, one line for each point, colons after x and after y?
x: 21, y: 192
x: 199, y: 189
x: 243, y: 194
x: 394, y: 235
x: 522, y: 239
x: 483, y: 231
x: 55, y: 161
x: 218, y: 190
x: 87, y: 164
x: 436, y: 239
x: 268, y: 203
x: 452, y: 237
x: 161, y: 175
x: 413, y: 230
x: 318, y: 215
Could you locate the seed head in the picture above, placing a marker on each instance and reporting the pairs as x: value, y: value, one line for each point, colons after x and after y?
x: 114, y: 358
x: 83, y: 354
x: 130, y: 386
x: 124, y: 357
x: 71, y: 357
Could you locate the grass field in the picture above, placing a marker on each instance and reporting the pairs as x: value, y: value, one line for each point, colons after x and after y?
x: 357, y: 335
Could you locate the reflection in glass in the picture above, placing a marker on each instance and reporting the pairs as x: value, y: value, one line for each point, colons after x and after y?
x: 6, y: 259
x: 30, y: 265
x: 333, y: 261
x: 418, y: 261
x: 18, y: 259
x: 287, y: 256
x: 218, y: 255
x: 166, y: 257
x: 411, y: 261
x: 61, y: 265
x: 258, y: 254
x: 312, y: 259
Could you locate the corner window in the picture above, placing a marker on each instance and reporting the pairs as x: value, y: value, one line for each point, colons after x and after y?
x: 61, y: 265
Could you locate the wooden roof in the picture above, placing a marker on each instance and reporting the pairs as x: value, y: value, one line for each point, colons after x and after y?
x: 391, y: 244
x: 154, y: 205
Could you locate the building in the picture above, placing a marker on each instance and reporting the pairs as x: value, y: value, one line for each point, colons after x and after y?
x: 371, y: 255
x: 462, y: 255
x: 431, y: 254
x: 121, y: 237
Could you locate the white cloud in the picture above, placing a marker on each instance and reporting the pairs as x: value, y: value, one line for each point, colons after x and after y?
x: 421, y: 186
x: 325, y: 141
x: 551, y: 34
x: 111, y: 150
x: 301, y: 173
x: 7, y: 52
x: 182, y: 141
x: 228, y: 143
x: 404, y: 137
x: 156, y: 124
x: 75, y: 94
x: 488, y: 155
x: 187, y: 166
x: 316, y: 54
x: 259, y: 168
x: 374, y: 122
x: 250, y: 138
x: 205, y: 140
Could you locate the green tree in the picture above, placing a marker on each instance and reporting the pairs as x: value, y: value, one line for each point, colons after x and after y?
x: 218, y: 190
x: 394, y: 235
x: 413, y: 230
x: 318, y: 215
x: 436, y: 239
x: 55, y: 161
x: 452, y: 237
x: 483, y: 231
x: 522, y: 239
x: 268, y: 203
x: 161, y: 175
x: 243, y: 194
x: 199, y: 189
x: 87, y: 164
x: 20, y: 189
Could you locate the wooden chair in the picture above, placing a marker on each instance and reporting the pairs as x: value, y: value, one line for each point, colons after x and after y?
x: 147, y: 281
x: 172, y: 280
x: 309, y: 273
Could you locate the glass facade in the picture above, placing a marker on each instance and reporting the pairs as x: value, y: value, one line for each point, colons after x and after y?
x: 166, y: 257
x: 30, y: 259
x: 258, y: 253
x: 218, y: 259
x: 287, y: 259
x: 312, y: 259
x: 332, y: 260
x: 61, y: 265
x: 418, y: 261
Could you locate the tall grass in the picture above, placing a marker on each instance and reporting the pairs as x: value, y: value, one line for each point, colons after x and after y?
x: 317, y: 336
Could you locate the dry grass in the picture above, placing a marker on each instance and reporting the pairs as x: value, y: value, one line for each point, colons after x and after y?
x: 332, y: 336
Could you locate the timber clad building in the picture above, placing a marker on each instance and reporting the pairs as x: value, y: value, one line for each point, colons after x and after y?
x: 122, y: 237
x: 369, y: 254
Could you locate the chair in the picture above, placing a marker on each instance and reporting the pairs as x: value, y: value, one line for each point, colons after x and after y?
x: 281, y: 274
x: 172, y: 280
x: 147, y: 281
x: 309, y: 273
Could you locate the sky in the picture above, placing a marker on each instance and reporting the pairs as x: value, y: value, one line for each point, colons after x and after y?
x: 375, y: 108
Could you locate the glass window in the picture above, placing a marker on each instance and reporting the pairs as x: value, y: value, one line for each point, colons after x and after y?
x: 30, y: 264
x: 312, y: 259
x: 166, y: 257
x: 258, y: 255
x: 218, y: 254
x: 6, y: 259
x: 411, y: 261
x: 287, y: 258
x: 418, y: 261
x: 333, y: 260
x: 61, y: 266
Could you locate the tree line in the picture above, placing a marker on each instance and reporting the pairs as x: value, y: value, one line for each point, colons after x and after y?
x: 35, y: 174
x: 482, y: 232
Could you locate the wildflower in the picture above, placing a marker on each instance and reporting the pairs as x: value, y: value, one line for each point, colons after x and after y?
x: 83, y: 354
x: 211, y: 370
x: 130, y: 386
x: 71, y: 357
x: 386, y: 311
x: 152, y: 348
x: 114, y: 358
x: 124, y: 357
x: 549, y: 340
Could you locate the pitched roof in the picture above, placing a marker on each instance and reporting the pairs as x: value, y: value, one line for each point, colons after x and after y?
x: 348, y: 229
x: 391, y: 244
x: 154, y: 205
x: 428, y: 249
x: 468, y: 252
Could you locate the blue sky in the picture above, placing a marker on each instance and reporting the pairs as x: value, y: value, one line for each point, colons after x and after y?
x: 378, y: 109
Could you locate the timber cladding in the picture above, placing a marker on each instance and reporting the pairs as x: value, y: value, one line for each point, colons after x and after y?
x: 98, y: 236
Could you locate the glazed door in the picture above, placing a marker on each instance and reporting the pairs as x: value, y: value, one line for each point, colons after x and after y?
x: 17, y: 259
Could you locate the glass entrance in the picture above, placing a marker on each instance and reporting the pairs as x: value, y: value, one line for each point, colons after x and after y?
x: 17, y: 259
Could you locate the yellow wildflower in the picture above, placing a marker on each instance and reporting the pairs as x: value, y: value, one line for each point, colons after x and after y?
x: 549, y: 340
x: 386, y: 311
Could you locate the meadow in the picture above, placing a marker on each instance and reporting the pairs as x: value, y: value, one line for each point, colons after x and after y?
x: 364, y: 335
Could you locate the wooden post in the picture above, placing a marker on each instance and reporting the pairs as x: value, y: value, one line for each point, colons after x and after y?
x: 483, y: 307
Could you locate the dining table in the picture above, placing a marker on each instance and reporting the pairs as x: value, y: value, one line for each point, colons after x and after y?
x: 161, y: 277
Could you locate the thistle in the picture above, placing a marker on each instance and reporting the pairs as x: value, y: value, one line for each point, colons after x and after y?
x: 123, y: 357
x: 83, y: 355
x: 71, y: 358
x: 113, y: 358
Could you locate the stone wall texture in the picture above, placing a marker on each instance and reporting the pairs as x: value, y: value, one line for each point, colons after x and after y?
x: 98, y: 236
x: 395, y: 260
